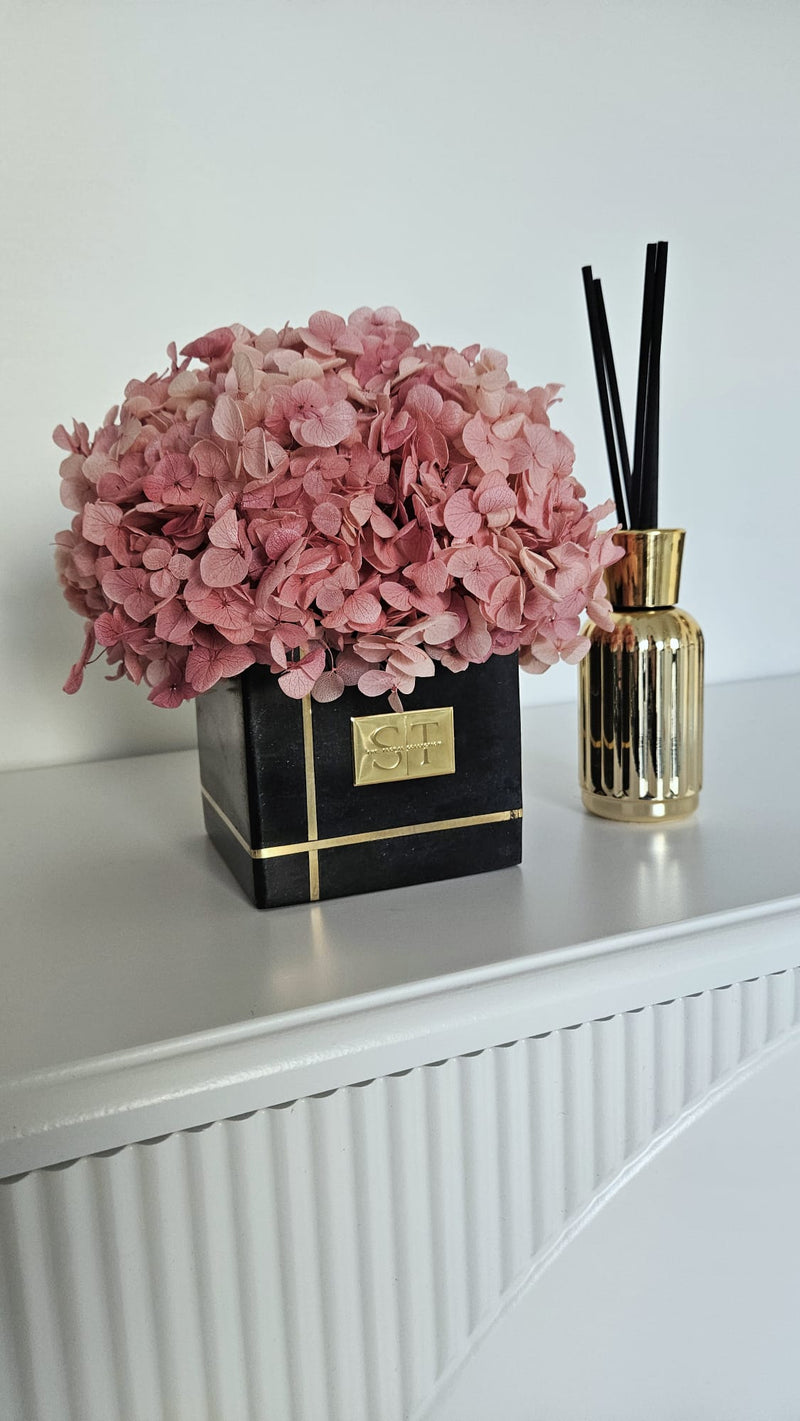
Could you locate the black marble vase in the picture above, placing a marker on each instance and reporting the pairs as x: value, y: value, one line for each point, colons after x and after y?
x: 306, y: 800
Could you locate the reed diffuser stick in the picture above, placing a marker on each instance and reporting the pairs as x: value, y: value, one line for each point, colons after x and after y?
x: 635, y: 486
x: 648, y: 510
x: 613, y: 387
x: 643, y: 384
x: 602, y: 390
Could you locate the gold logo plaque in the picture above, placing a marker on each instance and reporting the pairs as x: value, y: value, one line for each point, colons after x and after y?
x: 411, y: 745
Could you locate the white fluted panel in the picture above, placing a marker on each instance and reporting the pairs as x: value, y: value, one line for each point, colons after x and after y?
x: 329, y: 1259
x: 130, y: 1245
x: 515, y: 1153
x: 548, y: 1131
x: 449, y: 1202
x: 340, y: 1258
x: 610, y: 1120
x: 261, y: 1249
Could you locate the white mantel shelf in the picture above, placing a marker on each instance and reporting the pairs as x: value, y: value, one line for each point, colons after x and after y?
x: 142, y: 994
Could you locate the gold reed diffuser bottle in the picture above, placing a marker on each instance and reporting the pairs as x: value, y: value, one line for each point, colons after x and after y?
x: 641, y: 685
x: 641, y: 689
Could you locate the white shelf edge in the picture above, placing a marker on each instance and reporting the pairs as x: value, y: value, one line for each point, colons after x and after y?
x: 59, y: 1114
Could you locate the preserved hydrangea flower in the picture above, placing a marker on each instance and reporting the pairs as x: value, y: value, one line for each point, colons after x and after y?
x: 337, y: 502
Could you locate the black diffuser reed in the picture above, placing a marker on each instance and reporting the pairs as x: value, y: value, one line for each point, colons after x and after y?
x: 635, y: 485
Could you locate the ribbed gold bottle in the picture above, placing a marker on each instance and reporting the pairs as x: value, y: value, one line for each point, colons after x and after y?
x: 641, y: 689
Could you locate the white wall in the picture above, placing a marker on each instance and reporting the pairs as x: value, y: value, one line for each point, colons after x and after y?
x: 168, y: 167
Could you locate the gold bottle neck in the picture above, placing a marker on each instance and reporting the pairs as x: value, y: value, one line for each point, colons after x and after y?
x: 649, y: 574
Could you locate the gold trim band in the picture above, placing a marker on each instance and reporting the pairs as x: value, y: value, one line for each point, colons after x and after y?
x: 370, y: 836
x: 229, y: 824
x: 311, y: 801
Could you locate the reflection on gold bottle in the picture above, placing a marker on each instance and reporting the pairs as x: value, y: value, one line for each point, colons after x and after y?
x: 641, y: 689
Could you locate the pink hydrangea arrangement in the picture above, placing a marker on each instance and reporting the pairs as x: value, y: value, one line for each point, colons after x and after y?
x: 337, y: 502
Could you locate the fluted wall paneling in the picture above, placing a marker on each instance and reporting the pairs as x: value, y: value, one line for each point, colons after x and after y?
x: 330, y: 1259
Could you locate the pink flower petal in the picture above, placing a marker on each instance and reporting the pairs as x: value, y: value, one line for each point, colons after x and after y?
x: 350, y: 667
x: 329, y: 427
x: 327, y: 518
x: 329, y: 596
x: 222, y: 567
x: 226, y: 420
x: 121, y: 582
x: 254, y: 454
x: 361, y: 507
x: 174, y: 623
x: 574, y: 651
x: 157, y: 555
x: 382, y: 524
x: 441, y: 629
x: 488, y: 571
x: 326, y: 327
x: 375, y: 683
x: 180, y: 566
x: 211, y: 346
x: 462, y: 560
x: 425, y: 399
x: 139, y: 605
x: 475, y: 641
x: 171, y: 693
x: 362, y: 609
x: 461, y: 518
x: 61, y: 438
x: 163, y: 584
x: 209, y: 460
x: 300, y: 679
x: 329, y: 687
x: 430, y: 577
x: 496, y: 496
x: 453, y: 662
x: 207, y: 665
x: 74, y: 681
x: 396, y: 595
x: 225, y: 532
x: 412, y: 658
x: 99, y: 520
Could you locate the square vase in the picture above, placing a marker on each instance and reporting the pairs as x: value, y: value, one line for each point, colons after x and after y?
x: 307, y: 801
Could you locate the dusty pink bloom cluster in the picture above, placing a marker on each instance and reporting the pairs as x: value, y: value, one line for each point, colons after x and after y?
x: 338, y: 502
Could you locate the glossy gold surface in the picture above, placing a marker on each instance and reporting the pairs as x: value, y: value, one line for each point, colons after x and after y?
x: 649, y: 574
x: 404, y: 745
x: 639, y: 811
x: 311, y: 798
x: 641, y: 694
